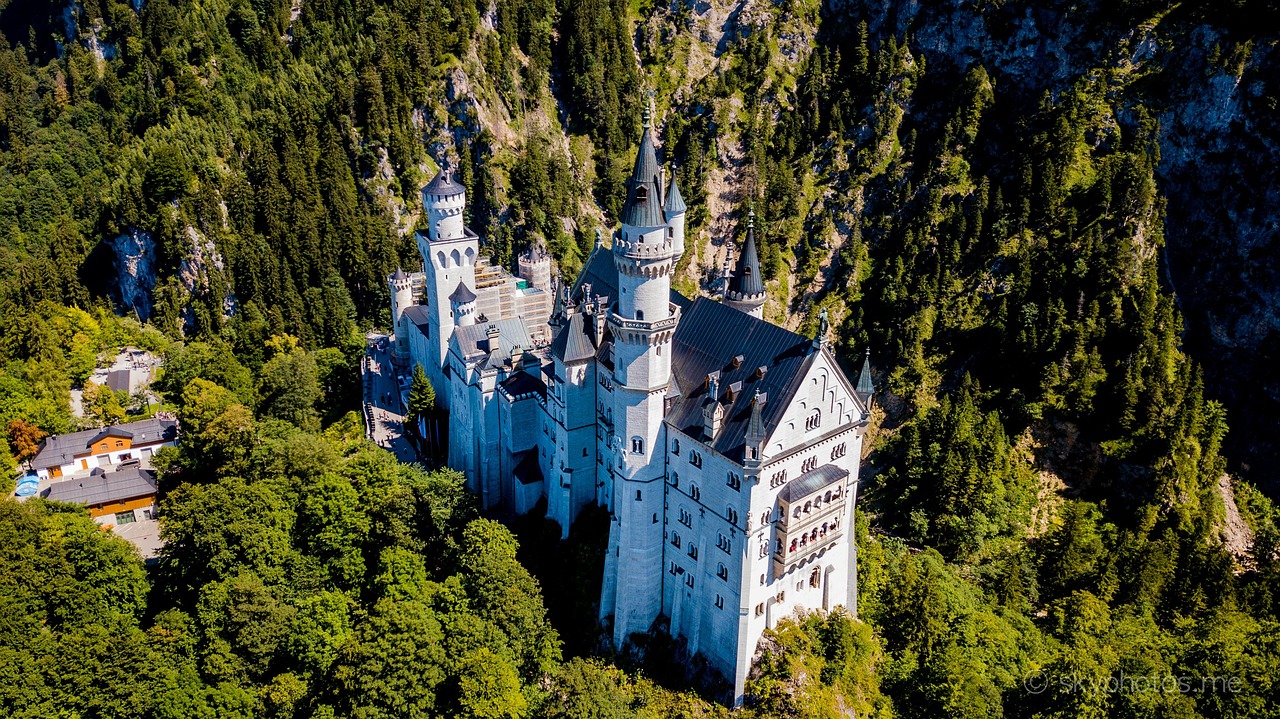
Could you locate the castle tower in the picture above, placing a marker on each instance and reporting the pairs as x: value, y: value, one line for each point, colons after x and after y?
x: 675, y: 215
x: 463, y: 304
x: 642, y: 321
x: 746, y: 287
x: 449, y: 251
x: 401, y: 298
x: 534, y: 265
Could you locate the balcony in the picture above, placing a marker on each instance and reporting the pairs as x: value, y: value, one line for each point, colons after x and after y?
x: 811, y: 516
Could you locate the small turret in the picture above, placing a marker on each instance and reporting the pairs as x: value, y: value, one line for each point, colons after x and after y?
x: 463, y: 302
x: 712, y: 410
x: 865, y: 388
x: 401, y: 298
x: 675, y: 210
x: 753, y: 453
x: 745, y: 290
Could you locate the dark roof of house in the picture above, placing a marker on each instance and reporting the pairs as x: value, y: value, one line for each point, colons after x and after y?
x: 528, y: 471
x: 463, y: 294
x: 746, y: 278
x: 100, y: 488
x: 419, y: 315
x: 644, y: 188
x: 399, y: 275
x: 57, y: 450
x: 523, y: 383
x: 708, y: 339
x: 577, y: 339
x: 675, y: 201
x: 811, y: 482
x: 112, y: 431
x: 865, y: 388
x: 443, y: 184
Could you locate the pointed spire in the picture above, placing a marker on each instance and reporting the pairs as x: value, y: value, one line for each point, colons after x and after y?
x: 865, y: 389
x: 755, y: 426
x: 644, y: 189
x: 747, y: 280
x: 675, y: 201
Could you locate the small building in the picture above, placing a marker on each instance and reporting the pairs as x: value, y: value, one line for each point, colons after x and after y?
x: 121, y: 496
x: 76, y: 453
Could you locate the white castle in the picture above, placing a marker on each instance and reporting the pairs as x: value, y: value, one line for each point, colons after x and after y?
x: 725, y: 448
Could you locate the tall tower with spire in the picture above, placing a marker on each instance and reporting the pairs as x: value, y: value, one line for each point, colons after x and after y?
x: 746, y: 286
x: 643, y: 322
x: 449, y: 252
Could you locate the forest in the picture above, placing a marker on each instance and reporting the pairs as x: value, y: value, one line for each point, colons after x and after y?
x: 1053, y: 473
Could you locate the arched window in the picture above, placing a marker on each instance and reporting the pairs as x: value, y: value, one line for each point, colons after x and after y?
x: 764, y: 518
x: 637, y: 445
x: 814, y: 421
x: 640, y: 314
x: 675, y: 479
x: 675, y: 446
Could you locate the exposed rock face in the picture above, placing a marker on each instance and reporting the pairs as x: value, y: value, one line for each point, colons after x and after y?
x: 1218, y: 165
x: 135, y: 266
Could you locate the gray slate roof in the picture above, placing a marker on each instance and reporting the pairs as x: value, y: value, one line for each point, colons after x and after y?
x: 419, y: 315
x: 104, y: 487
x: 463, y: 294
x: 747, y: 279
x: 472, y: 342
x: 522, y: 383
x: 675, y: 201
x: 443, y: 184
x: 811, y: 482
x: 644, y: 211
x: 577, y: 340
x: 399, y: 275
x: 58, y: 450
x: 707, y: 339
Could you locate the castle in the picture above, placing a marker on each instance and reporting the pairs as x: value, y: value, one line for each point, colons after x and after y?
x: 725, y: 448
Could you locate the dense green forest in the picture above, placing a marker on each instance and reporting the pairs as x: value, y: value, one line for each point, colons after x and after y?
x: 227, y: 182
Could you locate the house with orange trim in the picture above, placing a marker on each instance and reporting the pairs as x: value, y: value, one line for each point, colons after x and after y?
x: 77, y: 453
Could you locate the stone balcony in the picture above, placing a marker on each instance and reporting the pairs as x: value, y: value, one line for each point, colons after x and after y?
x: 811, y: 517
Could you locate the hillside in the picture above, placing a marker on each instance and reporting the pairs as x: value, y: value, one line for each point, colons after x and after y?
x: 1053, y: 225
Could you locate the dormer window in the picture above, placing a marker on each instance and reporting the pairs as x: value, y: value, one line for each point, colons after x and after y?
x: 642, y: 193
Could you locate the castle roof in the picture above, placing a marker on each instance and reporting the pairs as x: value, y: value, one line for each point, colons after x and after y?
x: 522, y: 383
x: 746, y: 278
x: 399, y: 275
x: 472, y: 342
x: 812, y: 481
x: 444, y: 185
x: 675, y: 202
x: 644, y: 187
x: 865, y: 389
x: 420, y: 316
x: 713, y: 337
x: 577, y: 339
x: 463, y: 295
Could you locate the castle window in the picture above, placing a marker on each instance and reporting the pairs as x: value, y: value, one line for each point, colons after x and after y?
x: 685, y: 518
x: 809, y: 465
x: 673, y: 568
x: 778, y: 479
x: 584, y: 451
x: 796, y: 513
x: 655, y: 517
x: 642, y: 194
x: 694, y: 458
x: 734, y: 481
x: 675, y: 480
x: 719, y: 602
x: 732, y: 515
x: 764, y: 518
x: 640, y: 314
x: 693, y: 552
x: 723, y: 543
x: 838, y: 451
x: 762, y: 580
x: 815, y: 578
x: 637, y: 445
x: 693, y: 492
x: 764, y: 550
x: 675, y: 539
x: 782, y: 597
x: 637, y: 495
x: 688, y: 580
x: 760, y: 609
x: 814, y: 421
x: 722, y: 572
x: 675, y: 446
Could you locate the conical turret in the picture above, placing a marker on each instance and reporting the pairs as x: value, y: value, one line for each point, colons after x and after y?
x: 745, y: 290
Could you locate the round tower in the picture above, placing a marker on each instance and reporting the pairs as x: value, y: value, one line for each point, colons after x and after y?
x: 463, y: 303
x: 444, y: 199
x: 643, y: 322
x: 401, y: 299
x: 534, y: 265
